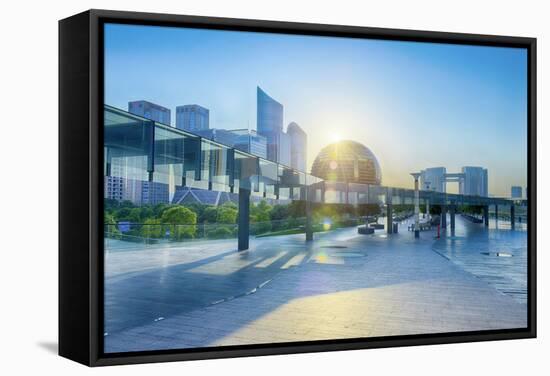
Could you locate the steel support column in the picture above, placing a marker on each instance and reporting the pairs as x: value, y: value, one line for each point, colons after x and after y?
x: 309, y: 220
x: 389, y: 218
x: 444, y: 216
x: 486, y: 215
x: 513, y: 216
x: 416, y: 175
x: 244, y: 218
x: 453, y: 213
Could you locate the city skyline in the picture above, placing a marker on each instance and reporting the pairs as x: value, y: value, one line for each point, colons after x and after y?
x: 362, y: 91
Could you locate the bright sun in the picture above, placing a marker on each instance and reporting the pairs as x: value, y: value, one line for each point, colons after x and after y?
x: 335, y: 137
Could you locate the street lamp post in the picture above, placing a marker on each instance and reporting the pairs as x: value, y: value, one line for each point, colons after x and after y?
x: 416, y: 175
x: 428, y: 200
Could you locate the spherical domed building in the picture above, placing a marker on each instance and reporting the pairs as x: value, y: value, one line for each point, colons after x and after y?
x: 347, y: 161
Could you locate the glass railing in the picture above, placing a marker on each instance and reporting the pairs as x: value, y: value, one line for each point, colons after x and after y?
x: 141, y: 149
x: 154, y: 234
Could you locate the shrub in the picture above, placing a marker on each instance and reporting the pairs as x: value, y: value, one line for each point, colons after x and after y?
x: 181, y: 222
x: 220, y: 232
x: 152, y: 228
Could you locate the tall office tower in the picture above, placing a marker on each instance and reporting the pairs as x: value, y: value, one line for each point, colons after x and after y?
x: 223, y: 136
x: 284, y: 149
x: 516, y: 192
x: 139, y: 192
x: 250, y: 142
x: 243, y: 139
x: 269, y: 122
x: 433, y: 179
x: 150, y: 111
x: 114, y: 187
x: 475, y: 182
x: 192, y: 117
x: 298, y: 147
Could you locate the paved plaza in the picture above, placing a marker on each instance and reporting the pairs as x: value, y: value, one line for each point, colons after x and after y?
x: 341, y: 285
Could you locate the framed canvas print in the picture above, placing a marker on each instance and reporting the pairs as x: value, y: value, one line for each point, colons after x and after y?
x: 236, y: 187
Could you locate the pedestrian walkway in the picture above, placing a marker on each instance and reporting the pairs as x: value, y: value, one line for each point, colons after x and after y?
x: 341, y: 285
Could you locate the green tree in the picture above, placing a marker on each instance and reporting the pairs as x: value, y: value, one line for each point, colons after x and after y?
x: 226, y: 214
x: 146, y: 213
x: 260, y: 217
x: 110, y: 226
x: 198, y: 209
x: 181, y: 222
x: 297, y: 209
x: 135, y: 215
x: 279, y: 212
x: 126, y: 204
x: 210, y: 214
x: 158, y: 209
x: 152, y: 228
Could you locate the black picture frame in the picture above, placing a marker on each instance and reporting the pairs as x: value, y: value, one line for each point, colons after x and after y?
x: 81, y: 186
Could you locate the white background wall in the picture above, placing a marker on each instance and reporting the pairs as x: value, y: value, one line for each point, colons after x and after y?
x: 28, y: 189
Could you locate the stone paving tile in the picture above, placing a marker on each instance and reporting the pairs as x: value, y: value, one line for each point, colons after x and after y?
x: 400, y: 286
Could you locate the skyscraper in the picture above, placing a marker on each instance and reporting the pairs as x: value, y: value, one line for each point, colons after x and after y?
x: 242, y: 139
x: 269, y: 123
x: 475, y: 181
x: 284, y: 149
x: 192, y: 117
x: 298, y: 147
x: 150, y: 111
x: 434, y: 179
x: 251, y: 142
x: 516, y: 192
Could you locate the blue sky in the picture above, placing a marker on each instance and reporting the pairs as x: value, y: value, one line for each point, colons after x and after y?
x: 415, y: 105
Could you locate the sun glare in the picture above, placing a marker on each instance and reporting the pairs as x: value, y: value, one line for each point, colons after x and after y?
x: 335, y: 137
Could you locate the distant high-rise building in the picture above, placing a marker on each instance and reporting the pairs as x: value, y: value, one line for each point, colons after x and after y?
x: 242, y: 139
x: 516, y: 192
x: 139, y: 192
x: 474, y: 182
x: 434, y: 179
x: 192, y: 117
x: 223, y: 136
x: 285, y: 145
x: 251, y: 142
x: 298, y: 147
x: 150, y: 111
x: 269, y: 123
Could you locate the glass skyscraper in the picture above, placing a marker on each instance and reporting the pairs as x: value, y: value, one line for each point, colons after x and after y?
x: 516, y: 192
x: 270, y: 123
x: 192, y: 117
x: 242, y: 139
x: 298, y: 147
x: 250, y: 142
x: 150, y: 111
x: 475, y: 182
x: 434, y: 179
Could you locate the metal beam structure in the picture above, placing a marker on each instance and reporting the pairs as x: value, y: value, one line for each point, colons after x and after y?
x: 309, y: 222
x: 486, y: 215
x: 244, y: 219
x: 452, y: 208
x: 416, y: 176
